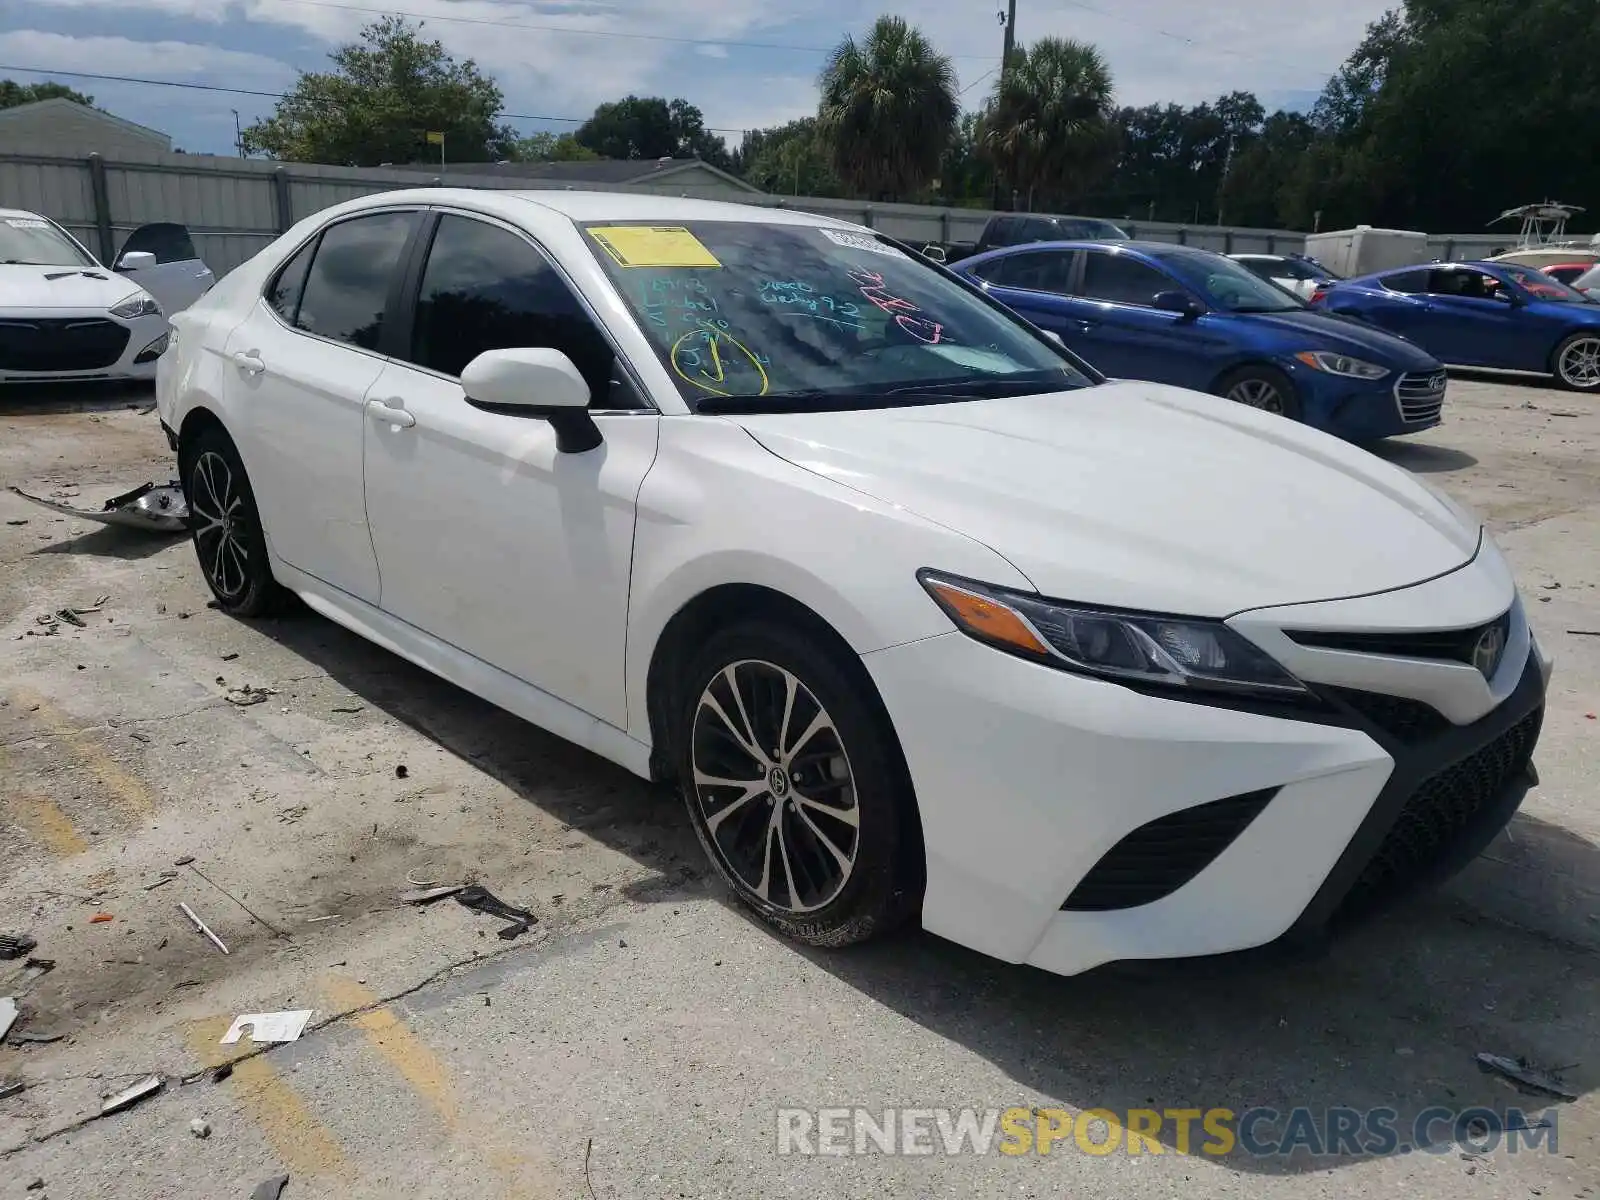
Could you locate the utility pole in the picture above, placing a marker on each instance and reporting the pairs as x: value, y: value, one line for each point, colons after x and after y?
x: 238, y: 134
x: 1010, y: 44
x: 1227, y: 169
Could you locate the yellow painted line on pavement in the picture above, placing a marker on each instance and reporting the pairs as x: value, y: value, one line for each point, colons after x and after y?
x: 428, y: 1076
x: 43, y: 821
x: 302, y: 1143
x: 127, y: 789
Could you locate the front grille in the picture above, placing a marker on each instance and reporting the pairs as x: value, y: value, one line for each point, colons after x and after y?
x: 61, y: 344
x: 1442, y: 818
x: 1407, y: 721
x: 1452, y: 645
x: 1420, y: 396
x: 1157, y: 859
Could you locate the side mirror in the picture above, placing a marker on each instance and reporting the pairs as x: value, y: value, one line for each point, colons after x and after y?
x: 136, y: 260
x: 1185, y: 305
x: 538, y: 383
x: 934, y: 252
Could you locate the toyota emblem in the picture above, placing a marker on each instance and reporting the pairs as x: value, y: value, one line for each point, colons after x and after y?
x: 1491, y: 645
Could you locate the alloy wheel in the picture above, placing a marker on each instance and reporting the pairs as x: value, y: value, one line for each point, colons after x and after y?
x: 217, y: 508
x: 1257, y: 393
x: 774, y: 786
x: 1580, y: 363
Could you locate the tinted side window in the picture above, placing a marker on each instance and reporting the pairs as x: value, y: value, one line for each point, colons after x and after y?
x: 1409, y: 282
x: 1263, y: 268
x: 1466, y: 283
x: 485, y: 288
x: 348, y: 285
x: 1039, y: 229
x: 1046, y: 272
x: 169, y: 242
x: 1121, y: 280
x: 283, y: 293
x: 1000, y: 231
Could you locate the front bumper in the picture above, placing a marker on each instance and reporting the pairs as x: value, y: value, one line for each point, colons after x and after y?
x: 58, y: 346
x: 1365, y: 410
x: 1030, y: 782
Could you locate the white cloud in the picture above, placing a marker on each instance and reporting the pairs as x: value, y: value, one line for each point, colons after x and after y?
x: 152, y: 60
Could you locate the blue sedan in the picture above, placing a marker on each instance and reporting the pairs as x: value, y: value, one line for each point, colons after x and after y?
x: 1194, y: 319
x: 1482, y: 314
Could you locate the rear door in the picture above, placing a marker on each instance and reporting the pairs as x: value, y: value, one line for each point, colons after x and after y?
x: 178, y: 278
x: 300, y: 367
x: 1036, y: 285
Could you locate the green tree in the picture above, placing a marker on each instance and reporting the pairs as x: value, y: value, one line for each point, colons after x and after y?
x: 652, y: 127
x: 551, y: 147
x: 386, y: 94
x: 888, y: 110
x: 966, y: 176
x: 1048, y: 124
x: 789, y: 159
x: 13, y: 93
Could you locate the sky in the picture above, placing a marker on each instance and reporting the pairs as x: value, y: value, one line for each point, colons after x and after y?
x: 745, y: 63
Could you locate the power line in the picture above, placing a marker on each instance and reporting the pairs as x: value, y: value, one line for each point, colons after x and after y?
x: 234, y: 91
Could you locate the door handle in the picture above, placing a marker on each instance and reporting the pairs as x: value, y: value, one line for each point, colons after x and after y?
x: 249, y: 361
x: 389, y: 412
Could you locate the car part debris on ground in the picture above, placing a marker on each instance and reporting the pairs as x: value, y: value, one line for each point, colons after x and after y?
x: 1522, y: 1072
x: 247, y: 695
x: 15, y: 945
x: 203, y: 928
x: 270, y: 1189
x: 147, y: 507
x: 8, y: 1015
x: 427, y: 895
x: 11, y: 1087
x: 132, y: 1095
x: 269, y: 1027
x: 482, y: 900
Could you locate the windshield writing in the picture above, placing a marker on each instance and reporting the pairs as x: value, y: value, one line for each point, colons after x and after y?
x: 33, y: 240
x: 746, y: 310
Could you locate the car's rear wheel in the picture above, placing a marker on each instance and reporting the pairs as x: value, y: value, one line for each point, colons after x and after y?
x: 1577, y: 362
x: 226, y: 527
x: 1265, y: 388
x: 794, y: 786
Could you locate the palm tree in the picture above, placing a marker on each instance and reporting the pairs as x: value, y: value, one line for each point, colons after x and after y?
x: 1048, y: 124
x: 888, y: 110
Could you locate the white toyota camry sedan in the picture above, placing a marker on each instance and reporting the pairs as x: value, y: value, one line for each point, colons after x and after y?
x: 923, y: 617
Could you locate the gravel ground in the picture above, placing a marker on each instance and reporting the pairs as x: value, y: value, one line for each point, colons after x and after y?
x: 640, y: 1040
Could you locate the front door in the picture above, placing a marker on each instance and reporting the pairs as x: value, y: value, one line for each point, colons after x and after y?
x: 1129, y: 336
x: 178, y: 278
x: 487, y: 536
x: 300, y: 367
x: 1467, y: 318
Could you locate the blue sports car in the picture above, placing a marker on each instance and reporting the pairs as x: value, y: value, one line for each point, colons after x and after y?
x: 1194, y: 319
x: 1482, y: 314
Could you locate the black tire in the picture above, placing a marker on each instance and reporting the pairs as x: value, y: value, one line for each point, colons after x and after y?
x: 881, y: 886
x: 1576, y: 362
x: 231, y: 549
x: 1253, y: 379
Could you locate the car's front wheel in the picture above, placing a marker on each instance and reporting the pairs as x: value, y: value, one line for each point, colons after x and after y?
x: 226, y: 527
x: 795, y: 786
x: 1577, y: 362
x: 1266, y: 388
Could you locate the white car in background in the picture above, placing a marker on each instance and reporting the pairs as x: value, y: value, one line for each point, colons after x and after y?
x: 64, y: 317
x: 1303, y: 276
x: 923, y: 617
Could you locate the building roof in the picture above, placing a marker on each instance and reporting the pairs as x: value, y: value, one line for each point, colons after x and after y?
x: 37, y: 107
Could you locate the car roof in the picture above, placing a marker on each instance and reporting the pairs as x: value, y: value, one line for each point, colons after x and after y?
x: 19, y: 212
x: 596, y: 206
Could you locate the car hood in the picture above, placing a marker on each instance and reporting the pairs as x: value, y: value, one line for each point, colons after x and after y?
x: 1139, y: 495
x: 27, y: 288
x: 1312, y: 330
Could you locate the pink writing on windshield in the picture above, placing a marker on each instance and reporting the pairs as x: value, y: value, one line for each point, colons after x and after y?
x: 873, y: 289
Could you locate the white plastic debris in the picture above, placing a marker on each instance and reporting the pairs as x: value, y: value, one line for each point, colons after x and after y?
x: 132, y: 1095
x: 8, y: 1015
x: 200, y: 1128
x: 270, y: 1027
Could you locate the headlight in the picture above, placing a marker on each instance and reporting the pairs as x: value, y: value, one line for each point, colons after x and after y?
x: 136, y: 306
x: 1176, y: 652
x: 1341, y: 364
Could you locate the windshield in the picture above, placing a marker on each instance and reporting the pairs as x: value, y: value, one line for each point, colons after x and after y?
x: 1229, y: 285
x: 1589, y: 279
x: 1544, y: 287
x: 35, y: 241
x: 747, y: 314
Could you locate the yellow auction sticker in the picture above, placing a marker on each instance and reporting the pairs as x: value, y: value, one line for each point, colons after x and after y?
x: 653, y: 246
